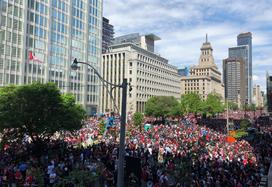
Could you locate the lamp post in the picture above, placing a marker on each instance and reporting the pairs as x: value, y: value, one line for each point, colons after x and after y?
x: 124, y: 85
x: 227, y: 117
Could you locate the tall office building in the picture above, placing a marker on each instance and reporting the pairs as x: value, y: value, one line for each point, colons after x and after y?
x: 108, y: 35
x: 205, y: 78
x: 244, y: 50
x: 55, y: 32
x: 269, y: 92
x: 234, y: 80
x: 149, y: 74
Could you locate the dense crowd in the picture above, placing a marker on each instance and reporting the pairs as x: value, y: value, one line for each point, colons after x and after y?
x: 183, y: 153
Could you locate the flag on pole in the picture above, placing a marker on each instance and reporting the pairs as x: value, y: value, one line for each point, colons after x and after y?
x: 33, y: 58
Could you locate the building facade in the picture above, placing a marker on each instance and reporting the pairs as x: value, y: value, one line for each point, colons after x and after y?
x: 234, y: 80
x: 148, y: 73
x: 258, y: 98
x: 269, y: 92
x: 244, y: 50
x: 56, y: 32
x: 108, y: 35
x: 204, y: 78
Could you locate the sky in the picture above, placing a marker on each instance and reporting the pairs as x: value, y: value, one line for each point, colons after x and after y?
x: 183, y: 24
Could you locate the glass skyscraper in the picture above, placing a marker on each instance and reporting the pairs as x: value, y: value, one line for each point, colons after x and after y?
x: 108, y: 35
x: 244, y: 51
x: 269, y: 92
x: 56, y: 32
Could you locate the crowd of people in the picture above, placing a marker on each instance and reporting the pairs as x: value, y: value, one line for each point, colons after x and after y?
x: 182, y: 153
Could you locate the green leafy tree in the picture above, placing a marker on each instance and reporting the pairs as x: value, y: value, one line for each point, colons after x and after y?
x: 138, y: 119
x: 232, y: 106
x: 37, y: 110
x: 212, y: 105
x: 252, y: 107
x: 160, y: 106
x: 176, y: 111
x: 244, y: 124
x: 190, y: 103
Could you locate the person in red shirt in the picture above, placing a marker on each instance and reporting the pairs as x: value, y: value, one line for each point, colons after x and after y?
x: 18, y: 176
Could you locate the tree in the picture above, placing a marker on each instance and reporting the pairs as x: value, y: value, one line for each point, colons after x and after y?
x: 190, y: 103
x: 38, y: 110
x: 252, y: 107
x: 233, y: 106
x: 138, y: 119
x: 212, y: 105
x: 176, y: 111
x: 160, y: 106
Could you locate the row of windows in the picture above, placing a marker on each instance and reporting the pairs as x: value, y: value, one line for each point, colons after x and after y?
x: 37, y: 19
x: 194, y: 84
x: 60, y: 16
x: 206, y: 52
x: 154, y: 69
x: 78, y: 3
x: 11, y: 9
x: 155, y: 62
x: 9, y: 37
x: 159, y: 76
x: 78, y: 13
x: 76, y: 23
x: 58, y: 38
x: 200, y: 70
x: 58, y: 60
x: 194, y: 80
x: 36, y: 43
x: 59, y: 27
x: 10, y: 51
x: 149, y: 82
x: 148, y: 89
x: 11, y: 65
x: 92, y: 98
x: 58, y: 50
x: 195, y: 91
x: 94, y: 11
x: 77, y: 33
x: 34, y: 69
x: 61, y: 5
x: 38, y: 6
x: 9, y: 79
x: 13, y: 24
x: 194, y: 88
x: 37, y: 31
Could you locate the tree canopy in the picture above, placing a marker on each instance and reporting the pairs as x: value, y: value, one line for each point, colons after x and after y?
x: 160, y: 106
x: 191, y: 103
x: 38, y: 110
x: 138, y: 119
x: 232, y: 106
x: 212, y: 105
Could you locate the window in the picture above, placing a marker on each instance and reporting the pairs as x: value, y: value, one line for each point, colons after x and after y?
x: 130, y: 72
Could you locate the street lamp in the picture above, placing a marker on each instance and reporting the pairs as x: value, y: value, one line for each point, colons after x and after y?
x: 227, y: 117
x: 124, y: 85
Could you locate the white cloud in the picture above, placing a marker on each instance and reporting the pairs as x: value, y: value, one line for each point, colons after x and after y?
x: 183, y: 25
x: 255, y: 78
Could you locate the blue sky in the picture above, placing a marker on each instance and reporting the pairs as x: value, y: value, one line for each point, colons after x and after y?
x: 182, y: 25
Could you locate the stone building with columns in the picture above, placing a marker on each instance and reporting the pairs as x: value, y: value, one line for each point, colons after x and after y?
x: 204, y: 78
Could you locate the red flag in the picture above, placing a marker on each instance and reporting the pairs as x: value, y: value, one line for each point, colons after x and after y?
x: 32, y: 57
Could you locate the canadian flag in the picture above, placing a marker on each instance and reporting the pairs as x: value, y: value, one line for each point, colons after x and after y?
x: 33, y: 58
